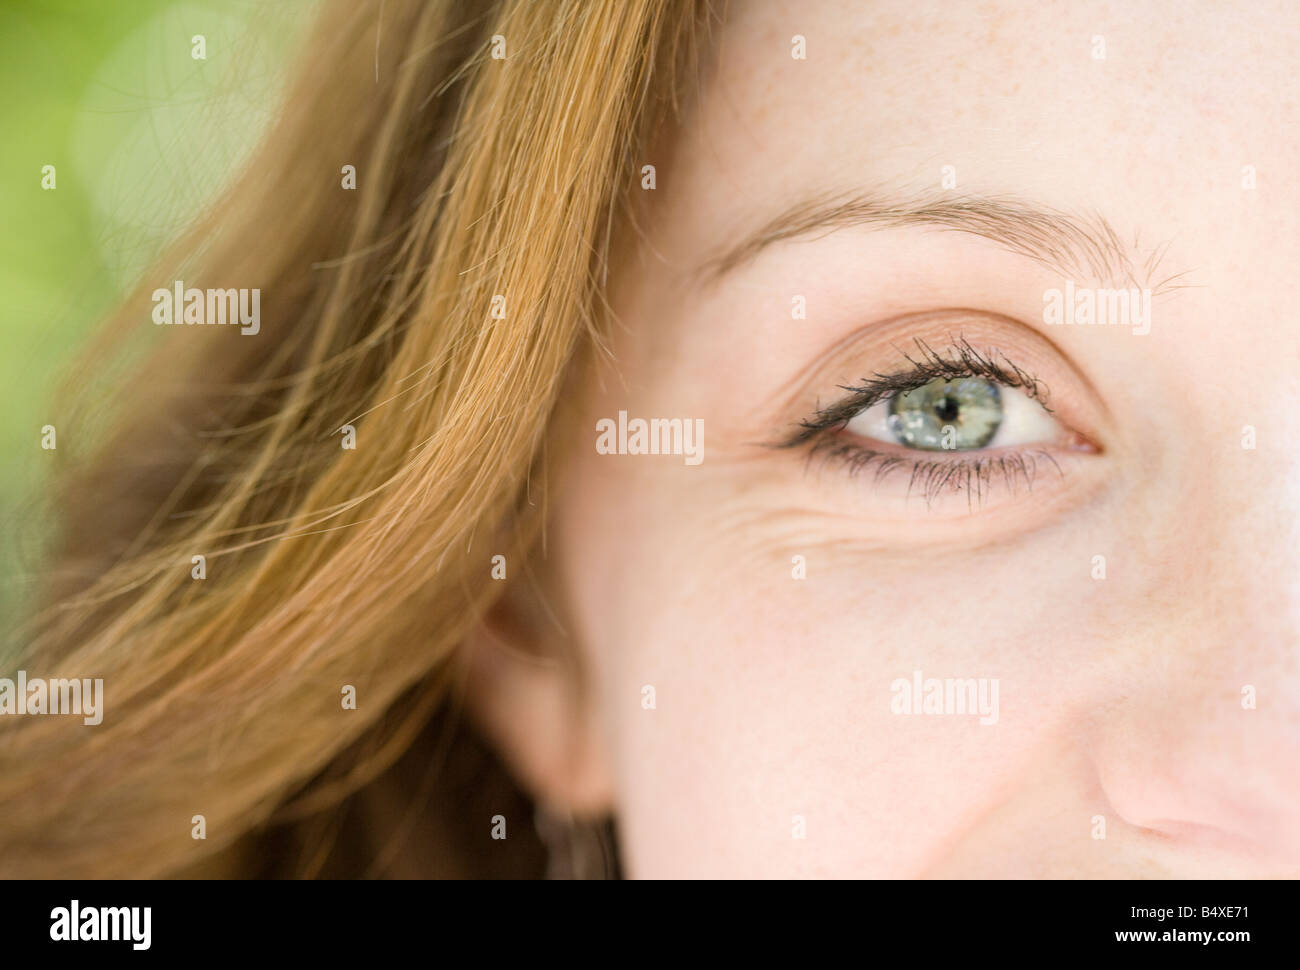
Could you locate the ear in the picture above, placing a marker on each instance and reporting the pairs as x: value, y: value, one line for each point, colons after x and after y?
x: 525, y: 692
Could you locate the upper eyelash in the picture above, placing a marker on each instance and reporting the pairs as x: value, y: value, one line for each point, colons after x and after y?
x: 965, y: 361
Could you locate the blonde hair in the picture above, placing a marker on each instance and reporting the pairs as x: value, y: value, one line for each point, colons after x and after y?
x: 476, y: 178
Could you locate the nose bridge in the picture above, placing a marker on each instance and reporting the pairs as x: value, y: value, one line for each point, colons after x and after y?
x: 1201, y: 740
x: 1230, y: 384
x: 1251, y: 511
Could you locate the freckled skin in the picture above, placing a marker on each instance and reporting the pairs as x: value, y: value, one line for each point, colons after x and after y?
x: 1119, y: 697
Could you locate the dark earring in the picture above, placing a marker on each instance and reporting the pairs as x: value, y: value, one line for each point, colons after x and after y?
x: 574, y: 849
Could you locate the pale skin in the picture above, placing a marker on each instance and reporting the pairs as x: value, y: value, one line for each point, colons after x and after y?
x: 1123, y: 697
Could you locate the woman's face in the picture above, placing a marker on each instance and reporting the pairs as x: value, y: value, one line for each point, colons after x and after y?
x: 1120, y: 577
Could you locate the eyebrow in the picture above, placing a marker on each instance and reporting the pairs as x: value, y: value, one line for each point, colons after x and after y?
x: 1077, y: 247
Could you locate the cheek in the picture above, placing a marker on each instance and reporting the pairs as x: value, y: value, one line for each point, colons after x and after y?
x: 771, y: 748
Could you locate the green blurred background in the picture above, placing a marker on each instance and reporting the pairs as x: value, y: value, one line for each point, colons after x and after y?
x: 142, y: 135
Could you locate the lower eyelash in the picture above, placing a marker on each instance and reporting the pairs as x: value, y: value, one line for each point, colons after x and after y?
x: 937, y: 476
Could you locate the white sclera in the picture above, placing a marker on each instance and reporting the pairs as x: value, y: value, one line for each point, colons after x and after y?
x: 1024, y: 422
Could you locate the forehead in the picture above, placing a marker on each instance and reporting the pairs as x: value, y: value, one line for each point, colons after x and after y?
x: 1135, y: 112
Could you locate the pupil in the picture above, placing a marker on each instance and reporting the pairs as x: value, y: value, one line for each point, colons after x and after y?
x: 947, y: 409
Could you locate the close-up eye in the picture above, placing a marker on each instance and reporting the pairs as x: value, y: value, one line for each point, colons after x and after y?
x: 962, y: 414
x: 953, y: 416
